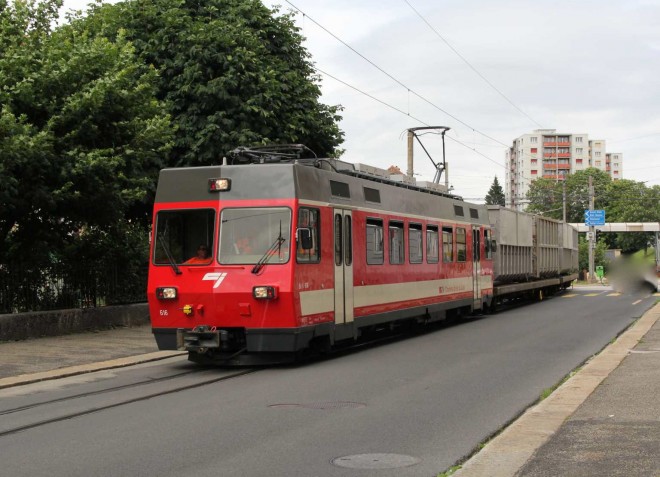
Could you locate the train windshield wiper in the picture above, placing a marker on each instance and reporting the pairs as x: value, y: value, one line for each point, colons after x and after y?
x: 276, y: 245
x: 163, y: 243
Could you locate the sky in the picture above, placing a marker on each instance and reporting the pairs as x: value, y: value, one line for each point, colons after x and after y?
x: 490, y: 71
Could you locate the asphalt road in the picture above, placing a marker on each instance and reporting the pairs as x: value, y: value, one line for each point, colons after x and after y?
x: 421, y: 403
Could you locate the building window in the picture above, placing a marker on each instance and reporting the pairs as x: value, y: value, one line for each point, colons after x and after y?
x: 534, y: 172
x: 597, y: 153
x: 534, y: 149
x: 533, y: 139
x: 616, y: 173
x: 578, y: 150
x: 578, y: 161
x: 578, y: 139
x: 598, y: 163
x: 534, y: 161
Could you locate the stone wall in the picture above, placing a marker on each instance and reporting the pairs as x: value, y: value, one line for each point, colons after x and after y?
x: 21, y: 326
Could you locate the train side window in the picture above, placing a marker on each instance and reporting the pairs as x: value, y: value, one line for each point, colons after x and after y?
x: 461, y: 245
x: 375, y: 250
x: 348, y: 240
x: 447, y: 244
x: 308, y: 245
x: 488, y: 245
x: 338, y: 239
x: 396, y: 243
x: 432, y: 254
x: 415, y: 254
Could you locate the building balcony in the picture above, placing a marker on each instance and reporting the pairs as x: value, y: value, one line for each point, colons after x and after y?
x: 549, y: 144
x: 549, y: 154
x: 564, y: 154
x: 564, y: 143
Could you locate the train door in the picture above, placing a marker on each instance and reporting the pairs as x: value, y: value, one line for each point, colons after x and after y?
x: 343, y: 247
x: 476, y: 267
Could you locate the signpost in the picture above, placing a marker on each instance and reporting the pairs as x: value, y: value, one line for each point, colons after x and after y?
x: 594, y: 217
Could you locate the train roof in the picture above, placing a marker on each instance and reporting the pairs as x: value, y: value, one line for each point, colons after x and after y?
x: 323, y: 181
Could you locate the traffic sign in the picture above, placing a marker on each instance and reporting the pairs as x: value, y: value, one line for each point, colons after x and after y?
x: 594, y: 217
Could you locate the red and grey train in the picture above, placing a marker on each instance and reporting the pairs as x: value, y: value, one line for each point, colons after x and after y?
x: 258, y: 261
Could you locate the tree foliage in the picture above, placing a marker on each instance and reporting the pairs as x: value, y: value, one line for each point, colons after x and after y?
x: 232, y: 73
x: 545, y: 196
x: 82, y: 134
x: 495, y: 194
x: 622, y: 200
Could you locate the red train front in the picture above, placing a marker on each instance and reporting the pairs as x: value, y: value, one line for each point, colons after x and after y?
x: 257, y: 262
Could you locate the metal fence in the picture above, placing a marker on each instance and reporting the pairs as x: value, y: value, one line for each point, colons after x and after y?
x: 28, y: 288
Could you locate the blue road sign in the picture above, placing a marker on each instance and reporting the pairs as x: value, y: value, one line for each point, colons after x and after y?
x: 594, y: 217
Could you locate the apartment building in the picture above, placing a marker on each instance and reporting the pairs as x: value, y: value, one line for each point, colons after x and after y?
x: 551, y: 155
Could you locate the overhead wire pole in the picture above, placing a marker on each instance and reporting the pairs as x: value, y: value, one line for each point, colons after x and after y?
x: 592, y: 233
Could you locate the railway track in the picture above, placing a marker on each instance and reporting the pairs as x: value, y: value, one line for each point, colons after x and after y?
x: 24, y: 417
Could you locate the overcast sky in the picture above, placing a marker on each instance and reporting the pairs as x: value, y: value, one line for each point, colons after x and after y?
x: 576, y: 66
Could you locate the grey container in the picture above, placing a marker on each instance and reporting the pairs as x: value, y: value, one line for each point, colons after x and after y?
x: 512, y: 231
x: 547, y: 247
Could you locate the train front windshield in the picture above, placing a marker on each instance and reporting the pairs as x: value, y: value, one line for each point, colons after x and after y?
x: 184, y: 237
x: 247, y: 236
x: 255, y: 234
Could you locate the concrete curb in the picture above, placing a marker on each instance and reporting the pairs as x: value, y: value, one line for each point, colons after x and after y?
x: 86, y: 368
x: 510, y: 450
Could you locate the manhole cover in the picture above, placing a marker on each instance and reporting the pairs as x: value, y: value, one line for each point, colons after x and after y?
x: 375, y: 461
x: 323, y: 405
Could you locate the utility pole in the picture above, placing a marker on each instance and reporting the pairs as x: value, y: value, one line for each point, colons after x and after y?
x: 592, y: 234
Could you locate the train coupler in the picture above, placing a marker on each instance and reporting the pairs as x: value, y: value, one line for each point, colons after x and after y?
x: 200, y: 339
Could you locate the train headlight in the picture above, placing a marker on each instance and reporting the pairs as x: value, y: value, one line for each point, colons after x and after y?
x: 264, y: 293
x: 218, y: 185
x: 166, y: 293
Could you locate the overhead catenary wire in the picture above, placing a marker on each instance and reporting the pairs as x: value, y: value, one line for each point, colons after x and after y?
x: 471, y: 66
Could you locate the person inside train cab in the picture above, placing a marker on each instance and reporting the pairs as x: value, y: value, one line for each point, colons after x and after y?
x: 242, y: 246
x: 200, y: 258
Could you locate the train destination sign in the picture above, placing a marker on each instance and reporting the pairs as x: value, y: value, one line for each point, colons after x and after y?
x: 594, y: 217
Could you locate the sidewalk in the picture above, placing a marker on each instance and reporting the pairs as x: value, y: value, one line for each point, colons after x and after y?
x: 604, y: 421
x: 23, y: 362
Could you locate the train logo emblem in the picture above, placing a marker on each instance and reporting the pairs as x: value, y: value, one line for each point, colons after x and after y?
x: 217, y: 277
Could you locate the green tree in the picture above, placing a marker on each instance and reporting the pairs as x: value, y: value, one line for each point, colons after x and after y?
x: 495, y: 194
x: 232, y: 72
x: 546, y: 196
x: 631, y: 201
x: 82, y: 134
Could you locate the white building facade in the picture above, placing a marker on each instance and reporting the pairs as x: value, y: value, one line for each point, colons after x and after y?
x: 551, y: 155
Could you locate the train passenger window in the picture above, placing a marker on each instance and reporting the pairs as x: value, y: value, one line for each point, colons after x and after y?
x: 184, y: 237
x: 415, y: 243
x: 396, y: 243
x: 348, y: 240
x: 338, y: 239
x: 447, y: 244
x: 308, y: 224
x: 461, y: 245
x: 488, y: 244
x: 432, y: 244
x: 375, y: 249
